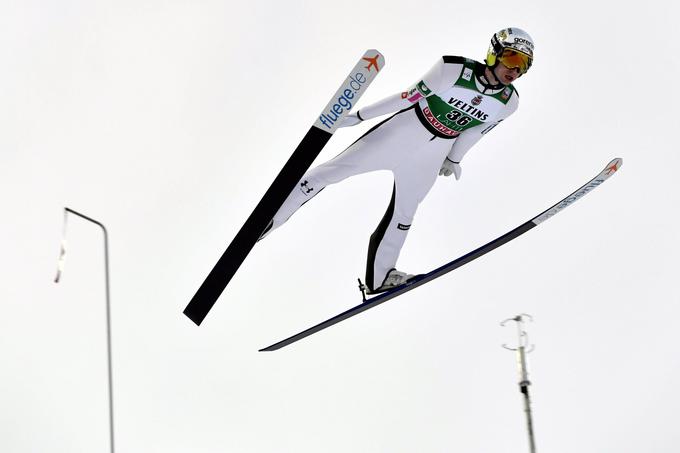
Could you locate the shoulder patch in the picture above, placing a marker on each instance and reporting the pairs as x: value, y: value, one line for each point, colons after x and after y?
x: 456, y: 60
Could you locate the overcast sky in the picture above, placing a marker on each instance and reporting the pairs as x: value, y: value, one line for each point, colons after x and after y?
x: 168, y: 120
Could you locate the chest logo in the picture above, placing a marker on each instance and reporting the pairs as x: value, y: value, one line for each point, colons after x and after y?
x: 467, y: 74
x: 477, y: 100
x: 424, y: 90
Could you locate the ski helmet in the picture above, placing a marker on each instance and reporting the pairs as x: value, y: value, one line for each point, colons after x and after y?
x: 513, y: 47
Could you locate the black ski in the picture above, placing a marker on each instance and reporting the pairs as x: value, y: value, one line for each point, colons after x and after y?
x: 309, y: 148
x: 610, y: 169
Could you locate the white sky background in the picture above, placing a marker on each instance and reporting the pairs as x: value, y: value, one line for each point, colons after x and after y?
x: 167, y: 121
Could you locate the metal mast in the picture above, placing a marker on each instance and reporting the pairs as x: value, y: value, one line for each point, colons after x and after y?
x: 524, y: 383
x: 60, y: 267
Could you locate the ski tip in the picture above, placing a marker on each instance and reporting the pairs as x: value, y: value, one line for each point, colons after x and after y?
x: 372, y: 52
x: 613, y: 166
x: 375, y: 59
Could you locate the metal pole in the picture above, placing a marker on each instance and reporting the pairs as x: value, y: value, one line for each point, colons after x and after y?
x: 108, y: 307
x: 524, y: 383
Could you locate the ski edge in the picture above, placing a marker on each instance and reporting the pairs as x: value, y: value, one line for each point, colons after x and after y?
x: 350, y: 91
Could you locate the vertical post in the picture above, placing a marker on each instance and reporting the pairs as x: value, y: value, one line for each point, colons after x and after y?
x: 524, y: 382
x: 108, y: 307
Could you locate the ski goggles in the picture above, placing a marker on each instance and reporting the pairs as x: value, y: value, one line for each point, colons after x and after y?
x: 513, y: 59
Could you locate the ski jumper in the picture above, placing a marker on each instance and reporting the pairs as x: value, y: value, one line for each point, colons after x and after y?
x: 441, y: 116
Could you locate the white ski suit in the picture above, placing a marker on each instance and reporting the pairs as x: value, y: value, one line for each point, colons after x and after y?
x: 441, y: 116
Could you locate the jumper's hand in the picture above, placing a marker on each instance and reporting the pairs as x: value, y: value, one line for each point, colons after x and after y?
x: 449, y: 167
x: 350, y: 120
